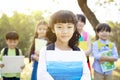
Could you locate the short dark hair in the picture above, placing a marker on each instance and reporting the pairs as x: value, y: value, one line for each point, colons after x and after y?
x: 81, y: 17
x: 12, y: 35
x: 103, y: 27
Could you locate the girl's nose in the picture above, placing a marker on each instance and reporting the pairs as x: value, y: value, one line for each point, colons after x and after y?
x: 64, y: 30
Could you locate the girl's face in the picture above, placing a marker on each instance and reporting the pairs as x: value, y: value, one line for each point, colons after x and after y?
x: 103, y: 35
x: 41, y: 31
x: 63, y: 31
x: 80, y: 25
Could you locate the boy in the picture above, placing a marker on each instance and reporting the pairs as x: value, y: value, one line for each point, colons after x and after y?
x: 12, y: 39
x: 103, y: 52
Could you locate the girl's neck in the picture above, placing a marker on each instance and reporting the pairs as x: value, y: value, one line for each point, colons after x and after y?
x: 103, y: 40
x: 81, y: 31
x: 62, y: 46
x: 41, y: 37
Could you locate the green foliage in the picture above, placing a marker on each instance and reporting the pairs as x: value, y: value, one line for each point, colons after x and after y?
x: 115, y: 33
x: 4, y: 27
x: 23, y: 24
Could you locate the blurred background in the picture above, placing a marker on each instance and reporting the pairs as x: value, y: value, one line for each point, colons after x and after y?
x: 23, y: 15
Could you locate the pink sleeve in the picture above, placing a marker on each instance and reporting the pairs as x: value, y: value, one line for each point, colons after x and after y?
x: 85, y: 36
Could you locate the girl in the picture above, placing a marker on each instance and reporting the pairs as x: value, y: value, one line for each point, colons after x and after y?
x: 84, y: 39
x: 40, y: 33
x: 81, y: 21
x: 62, y: 59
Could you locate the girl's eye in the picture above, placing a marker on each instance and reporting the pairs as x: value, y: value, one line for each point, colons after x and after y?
x: 59, y: 27
x: 69, y: 26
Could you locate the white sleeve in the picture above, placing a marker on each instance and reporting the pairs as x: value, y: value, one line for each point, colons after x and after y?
x: 42, y: 73
x: 86, y: 71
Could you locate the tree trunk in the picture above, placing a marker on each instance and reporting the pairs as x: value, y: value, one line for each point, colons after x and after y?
x: 88, y: 13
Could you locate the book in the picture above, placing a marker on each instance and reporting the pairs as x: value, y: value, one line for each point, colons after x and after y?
x: 83, y: 45
x: 39, y: 43
x: 12, y: 64
x: 107, y: 66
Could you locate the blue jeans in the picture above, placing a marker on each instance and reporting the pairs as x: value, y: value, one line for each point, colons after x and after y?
x: 34, y: 71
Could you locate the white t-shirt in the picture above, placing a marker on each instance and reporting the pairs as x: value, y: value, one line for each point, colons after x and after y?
x: 62, y: 65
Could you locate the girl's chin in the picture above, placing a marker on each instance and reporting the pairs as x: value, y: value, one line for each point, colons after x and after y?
x: 104, y: 39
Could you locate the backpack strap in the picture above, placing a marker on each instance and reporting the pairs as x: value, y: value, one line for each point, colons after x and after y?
x: 6, y: 51
x: 17, y: 51
x: 52, y: 47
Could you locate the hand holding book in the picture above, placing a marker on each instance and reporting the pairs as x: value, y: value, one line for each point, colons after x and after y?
x: 105, y: 65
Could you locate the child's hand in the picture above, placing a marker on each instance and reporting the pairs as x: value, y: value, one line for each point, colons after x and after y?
x: 22, y: 67
x: 37, y: 53
x: 2, y: 65
x: 35, y: 57
x: 101, y: 61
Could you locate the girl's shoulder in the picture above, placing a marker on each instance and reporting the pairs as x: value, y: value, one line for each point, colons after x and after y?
x: 75, y: 48
x: 95, y: 42
x: 52, y: 47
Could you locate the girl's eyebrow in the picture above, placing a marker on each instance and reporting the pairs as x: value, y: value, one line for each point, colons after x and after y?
x: 62, y: 23
x: 70, y: 23
x: 59, y: 23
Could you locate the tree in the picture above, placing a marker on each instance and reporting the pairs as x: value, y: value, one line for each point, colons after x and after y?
x: 93, y: 20
x: 114, y: 37
x: 23, y: 24
x: 4, y: 27
x: 88, y: 13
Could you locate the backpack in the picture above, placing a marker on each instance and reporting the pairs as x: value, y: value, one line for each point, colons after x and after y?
x: 6, y: 51
x: 52, y: 47
x: 110, y: 45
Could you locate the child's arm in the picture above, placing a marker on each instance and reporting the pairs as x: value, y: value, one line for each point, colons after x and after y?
x: 1, y: 65
x: 22, y: 67
x: 86, y: 71
x: 95, y: 51
x: 1, y: 55
x: 42, y: 73
x: 109, y: 59
x: 88, y: 51
x: 35, y: 56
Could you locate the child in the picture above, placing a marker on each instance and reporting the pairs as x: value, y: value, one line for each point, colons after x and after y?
x: 40, y: 33
x: 62, y: 59
x: 12, y: 39
x: 85, y: 38
x: 99, y: 47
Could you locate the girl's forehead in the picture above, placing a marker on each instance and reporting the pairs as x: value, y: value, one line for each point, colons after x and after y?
x: 64, y: 24
x: 42, y: 26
